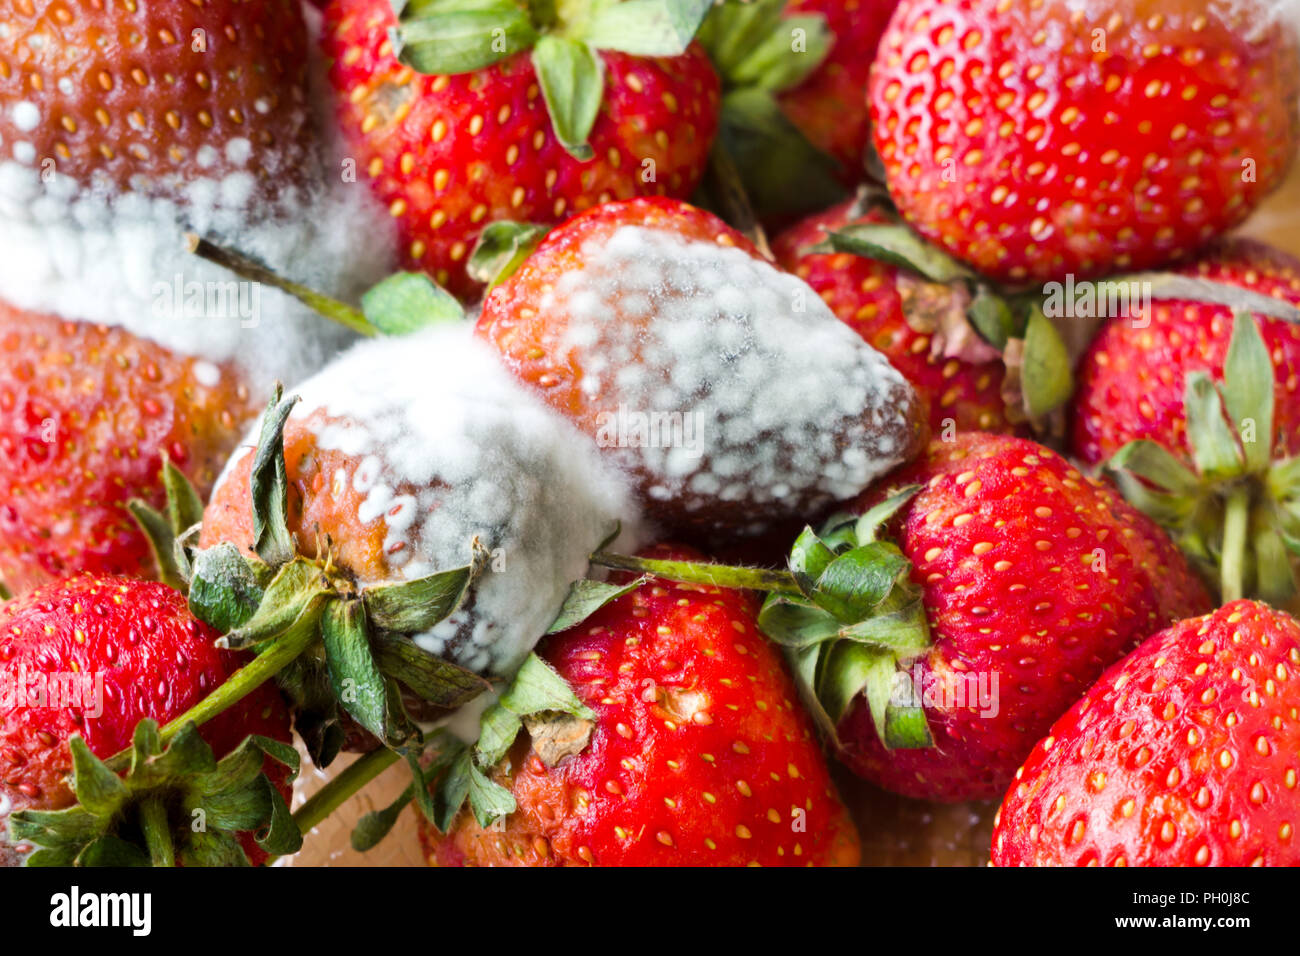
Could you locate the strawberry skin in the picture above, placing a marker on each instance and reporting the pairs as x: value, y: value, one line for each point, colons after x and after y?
x: 1183, y: 754
x: 155, y: 659
x: 1006, y: 540
x: 87, y: 413
x: 1132, y: 380
x: 1010, y: 140
x: 864, y: 293
x: 118, y: 93
x: 624, y: 306
x: 828, y: 106
x: 701, y: 754
x: 450, y: 154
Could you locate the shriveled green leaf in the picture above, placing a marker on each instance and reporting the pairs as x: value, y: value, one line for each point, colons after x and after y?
x: 573, y: 85
x: 270, y: 487
x: 809, y: 557
x: 878, y: 515
x: 354, y: 675
x: 1248, y: 391
x: 855, y: 583
x: 501, y: 248
x: 449, y: 41
x: 795, y: 622
x: 898, y: 245
x: 1152, y: 462
x: 1214, y: 447
x: 226, y: 588
x: 1046, y: 377
x: 98, y: 789
x: 537, y: 687
x: 295, y: 595
x: 412, y: 607
x: 848, y: 671
x: 499, y: 727
x: 646, y: 27
x: 488, y: 800
x: 431, y: 678
x: 409, y: 301
x: 774, y: 64
x: 586, y: 597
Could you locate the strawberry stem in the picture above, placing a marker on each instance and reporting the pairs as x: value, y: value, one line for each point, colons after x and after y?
x: 1232, y: 566
x: 240, y: 264
x: 341, y: 787
x: 283, y: 652
x: 693, y: 572
x: 157, y: 832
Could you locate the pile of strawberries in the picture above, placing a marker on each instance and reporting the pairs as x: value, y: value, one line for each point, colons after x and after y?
x: 770, y: 385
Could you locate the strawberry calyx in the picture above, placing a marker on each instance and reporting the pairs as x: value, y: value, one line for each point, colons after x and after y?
x: 441, y: 37
x: 501, y: 249
x: 176, y: 803
x: 537, y: 701
x: 758, y: 53
x: 846, y: 613
x: 333, y: 646
x: 1236, y: 510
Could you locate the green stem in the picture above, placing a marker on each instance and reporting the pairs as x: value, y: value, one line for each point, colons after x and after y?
x: 287, y: 648
x: 1232, y: 565
x: 253, y: 271
x: 157, y: 832
x: 340, y: 788
x: 692, y: 572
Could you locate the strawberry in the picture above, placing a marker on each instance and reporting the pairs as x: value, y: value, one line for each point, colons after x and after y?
x: 456, y: 130
x: 87, y: 415
x: 698, y: 753
x: 961, y: 382
x: 413, y: 503
x: 113, y: 651
x: 1017, y: 582
x: 1133, y: 378
x: 1050, y: 140
x: 1182, y: 754
x: 724, y: 386
x: 794, y: 113
x: 151, y: 97
x: 1195, y: 412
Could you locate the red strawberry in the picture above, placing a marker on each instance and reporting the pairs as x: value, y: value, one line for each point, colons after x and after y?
x: 653, y: 311
x: 451, y: 152
x: 1030, y: 574
x: 1038, y: 141
x: 870, y: 296
x: 120, y: 650
x: 1183, y: 754
x: 1197, y: 413
x: 700, y: 754
x: 153, y: 96
x: 1133, y: 377
x: 86, y: 415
